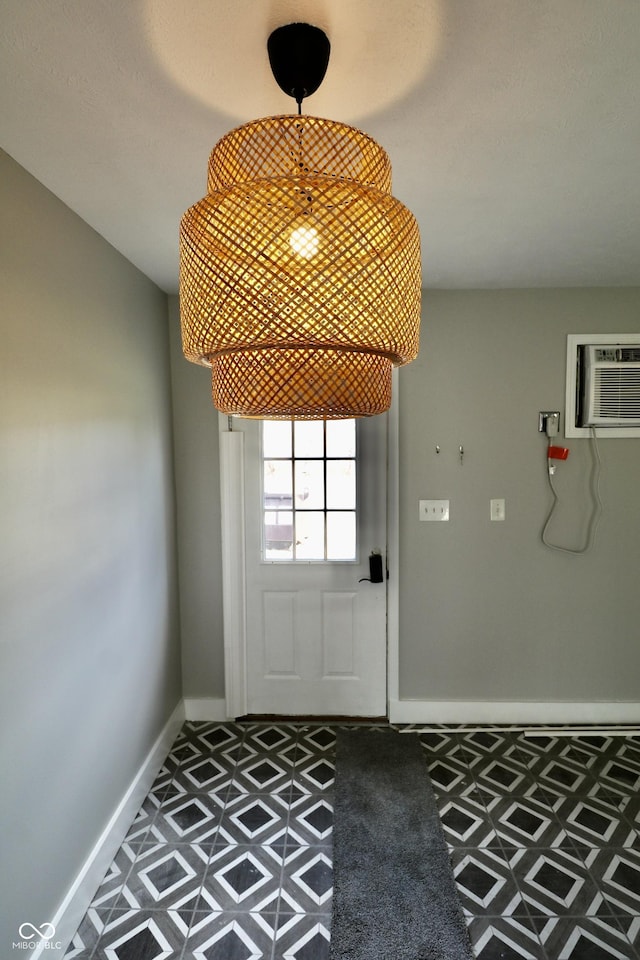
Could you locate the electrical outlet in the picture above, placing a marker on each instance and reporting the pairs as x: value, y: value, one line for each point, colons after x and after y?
x: 549, y: 422
x: 434, y: 509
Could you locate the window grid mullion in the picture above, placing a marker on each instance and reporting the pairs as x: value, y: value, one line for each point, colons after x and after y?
x: 294, y: 509
x: 324, y: 483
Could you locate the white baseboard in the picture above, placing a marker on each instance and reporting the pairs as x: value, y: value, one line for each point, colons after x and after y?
x: 213, y: 709
x: 81, y: 893
x: 513, y: 712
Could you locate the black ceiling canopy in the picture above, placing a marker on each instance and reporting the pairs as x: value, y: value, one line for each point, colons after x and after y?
x: 299, y: 56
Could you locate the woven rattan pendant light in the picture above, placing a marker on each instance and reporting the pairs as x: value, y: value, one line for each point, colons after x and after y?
x: 299, y: 272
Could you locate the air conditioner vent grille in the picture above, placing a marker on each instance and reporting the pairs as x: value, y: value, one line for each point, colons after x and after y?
x: 616, y: 394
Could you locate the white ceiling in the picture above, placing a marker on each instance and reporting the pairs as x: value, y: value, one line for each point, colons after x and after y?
x: 513, y: 126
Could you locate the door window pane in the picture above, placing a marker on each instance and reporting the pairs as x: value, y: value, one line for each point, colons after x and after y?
x: 310, y: 535
x: 278, y: 486
x: 341, y: 484
x: 278, y: 535
x: 276, y: 438
x: 308, y: 438
x: 309, y: 480
x: 341, y: 535
x: 341, y: 438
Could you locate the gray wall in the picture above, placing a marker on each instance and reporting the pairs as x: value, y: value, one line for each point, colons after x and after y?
x: 90, y: 667
x: 197, y: 474
x: 488, y: 612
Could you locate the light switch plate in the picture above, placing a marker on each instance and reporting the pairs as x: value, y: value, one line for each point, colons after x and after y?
x: 496, y: 509
x: 434, y: 509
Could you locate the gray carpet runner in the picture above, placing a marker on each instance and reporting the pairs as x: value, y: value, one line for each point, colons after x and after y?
x: 394, y: 895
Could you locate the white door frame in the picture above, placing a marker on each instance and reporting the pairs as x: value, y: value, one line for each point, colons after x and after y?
x: 393, y: 545
x: 232, y: 468
x: 232, y: 475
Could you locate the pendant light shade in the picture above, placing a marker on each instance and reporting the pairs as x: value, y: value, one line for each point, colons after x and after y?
x: 299, y: 272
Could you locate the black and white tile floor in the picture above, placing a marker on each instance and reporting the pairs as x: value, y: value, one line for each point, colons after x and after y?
x: 230, y: 856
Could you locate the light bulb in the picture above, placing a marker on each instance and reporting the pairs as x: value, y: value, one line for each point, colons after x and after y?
x: 305, y: 242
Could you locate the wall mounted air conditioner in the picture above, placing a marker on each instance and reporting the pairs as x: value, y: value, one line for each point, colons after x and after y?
x: 603, y: 385
x: 609, y: 386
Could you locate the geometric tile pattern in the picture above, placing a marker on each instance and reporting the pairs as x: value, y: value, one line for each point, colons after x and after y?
x: 544, y: 840
x: 230, y: 855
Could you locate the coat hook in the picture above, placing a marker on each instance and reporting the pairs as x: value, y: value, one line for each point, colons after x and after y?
x: 437, y: 448
x: 461, y: 454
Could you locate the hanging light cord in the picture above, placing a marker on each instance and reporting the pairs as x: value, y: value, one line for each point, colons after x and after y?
x: 594, y: 487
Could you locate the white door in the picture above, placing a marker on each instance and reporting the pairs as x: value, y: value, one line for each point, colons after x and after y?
x: 314, y: 511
